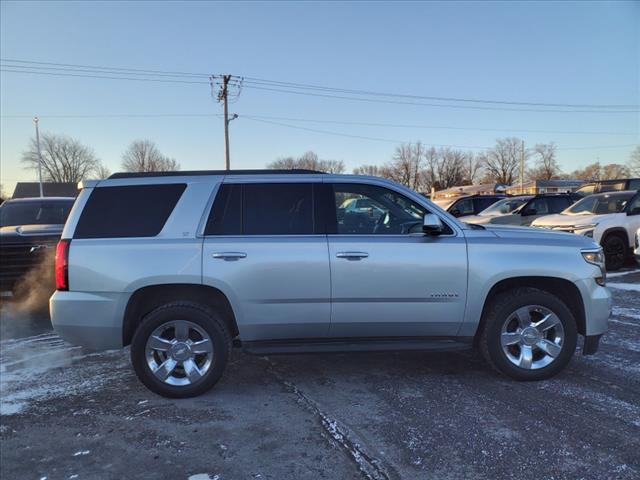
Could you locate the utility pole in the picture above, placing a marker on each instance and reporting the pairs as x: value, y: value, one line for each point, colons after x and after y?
x: 35, y: 120
x: 522, y: 167
x: 223, y: 96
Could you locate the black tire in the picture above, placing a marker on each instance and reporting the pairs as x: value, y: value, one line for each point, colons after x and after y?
x: 615, y: 251
x: 501, y: 307
x: 210, y: 321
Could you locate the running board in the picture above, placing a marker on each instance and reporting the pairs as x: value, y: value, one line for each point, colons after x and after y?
x: 344, y: 345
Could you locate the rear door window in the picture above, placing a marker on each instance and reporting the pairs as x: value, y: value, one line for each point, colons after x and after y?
x: 263, y: 209
x: 128, y: 211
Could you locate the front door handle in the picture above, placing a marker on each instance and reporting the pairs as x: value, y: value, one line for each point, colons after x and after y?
x: 229, y: 255
x: 352, y: 255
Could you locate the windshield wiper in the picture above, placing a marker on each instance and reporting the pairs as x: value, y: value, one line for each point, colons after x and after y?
x: 473, y: 226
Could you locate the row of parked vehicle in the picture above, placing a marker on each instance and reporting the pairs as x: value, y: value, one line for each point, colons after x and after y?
x: 611, y: 218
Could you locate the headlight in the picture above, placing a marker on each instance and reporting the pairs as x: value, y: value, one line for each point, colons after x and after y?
x: 587, y: 233
x: 596, y: 257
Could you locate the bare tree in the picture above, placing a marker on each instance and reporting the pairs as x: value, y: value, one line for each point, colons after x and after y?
x: 144, y: 156
x: 502, y: 162
x: 308, y: 161
x: 615, y: 170
x: 64, y: 159
x: 590, y: 172
x: 371, y: 170
x: 102, y: 172
x: 634, y: 161
x: 406, y: 165
x: 451, y: 167
x: 546, y: 164
x: 473, y: 168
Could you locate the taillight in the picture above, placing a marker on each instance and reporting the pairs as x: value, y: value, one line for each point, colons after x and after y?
x: 62, y: 264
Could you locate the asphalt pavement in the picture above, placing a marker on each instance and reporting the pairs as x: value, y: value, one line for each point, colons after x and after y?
x: 67, y: 414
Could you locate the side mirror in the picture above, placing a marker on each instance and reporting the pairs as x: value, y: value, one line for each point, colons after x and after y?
x: 432, y: 225
x: 455, y: 212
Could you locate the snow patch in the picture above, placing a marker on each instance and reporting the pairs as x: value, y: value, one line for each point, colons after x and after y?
x: 630, y: 287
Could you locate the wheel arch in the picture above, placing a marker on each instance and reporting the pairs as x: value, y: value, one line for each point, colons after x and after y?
x: 148, y: 298
x: 564, y: 289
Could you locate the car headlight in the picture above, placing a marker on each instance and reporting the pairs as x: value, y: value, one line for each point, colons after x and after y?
x: 596, y: 257
x: 587, y: 233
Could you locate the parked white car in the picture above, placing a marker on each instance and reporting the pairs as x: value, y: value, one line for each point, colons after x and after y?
x: 637, y: 249
x: 611, y: 219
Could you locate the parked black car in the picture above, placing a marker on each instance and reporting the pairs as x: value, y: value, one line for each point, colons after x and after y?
x: 29, y: 228
x: 472, y: 204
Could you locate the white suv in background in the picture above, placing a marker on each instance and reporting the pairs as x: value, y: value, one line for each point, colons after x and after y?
x: 611, y: 219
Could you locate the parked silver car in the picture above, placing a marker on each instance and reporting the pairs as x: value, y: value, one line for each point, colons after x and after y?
x: 183, y: 265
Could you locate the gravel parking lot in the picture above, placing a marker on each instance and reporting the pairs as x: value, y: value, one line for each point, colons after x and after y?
x: 71, y: 414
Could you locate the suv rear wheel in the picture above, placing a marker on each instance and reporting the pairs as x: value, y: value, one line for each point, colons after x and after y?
x: 180, y: 349
x: 528, y: 334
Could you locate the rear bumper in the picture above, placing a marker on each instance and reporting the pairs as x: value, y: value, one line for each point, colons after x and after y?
x: 93, y: 320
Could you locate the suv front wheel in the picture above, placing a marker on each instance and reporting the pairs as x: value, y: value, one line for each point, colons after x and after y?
x: 180, y: 349
x: 528, y: 334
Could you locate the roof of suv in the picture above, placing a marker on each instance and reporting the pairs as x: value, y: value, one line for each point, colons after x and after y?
x: 187, y: 173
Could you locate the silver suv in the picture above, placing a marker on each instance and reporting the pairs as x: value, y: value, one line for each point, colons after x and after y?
x: 185, y: 265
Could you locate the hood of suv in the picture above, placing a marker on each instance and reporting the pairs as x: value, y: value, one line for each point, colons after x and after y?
x: 30, y: 231
x: 572, y: 220
x: 538, y: 236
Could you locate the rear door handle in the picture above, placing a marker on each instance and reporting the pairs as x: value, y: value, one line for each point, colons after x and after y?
x: 352, y: 255
x: 229, y: 255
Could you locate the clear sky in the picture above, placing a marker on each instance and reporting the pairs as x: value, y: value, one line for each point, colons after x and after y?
x: 540, y: 52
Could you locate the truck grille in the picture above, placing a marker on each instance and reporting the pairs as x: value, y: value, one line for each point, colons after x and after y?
x: 16, y: 259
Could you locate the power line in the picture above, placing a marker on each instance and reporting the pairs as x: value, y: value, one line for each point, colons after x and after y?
x: 248, y: 84
x: 389, y: 140
x: 331, y: 122
x: 308, y: 89
x: 61, y: 74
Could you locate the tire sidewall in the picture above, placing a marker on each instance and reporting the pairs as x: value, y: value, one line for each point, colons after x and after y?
x: 614, y: 238
x: 210, y: 321
x: 510, y: 304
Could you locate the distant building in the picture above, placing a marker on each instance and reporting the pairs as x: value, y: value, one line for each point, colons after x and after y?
x: 545, y: 186
x: 49, y: 189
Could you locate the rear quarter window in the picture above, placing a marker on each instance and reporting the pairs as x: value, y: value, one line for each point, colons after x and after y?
x: 128, y: 211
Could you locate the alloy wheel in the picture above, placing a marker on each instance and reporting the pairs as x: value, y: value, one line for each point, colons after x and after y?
x: 532, y: 337
x: 179, y: 352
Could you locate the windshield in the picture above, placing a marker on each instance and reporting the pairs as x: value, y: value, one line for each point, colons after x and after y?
x: 600, y: 204
x: 34, y: 213
x: 504, y: 206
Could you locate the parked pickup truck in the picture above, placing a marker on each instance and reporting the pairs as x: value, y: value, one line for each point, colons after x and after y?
x: 611, y: 219
x: 29, y: 227
x: 185, y: 265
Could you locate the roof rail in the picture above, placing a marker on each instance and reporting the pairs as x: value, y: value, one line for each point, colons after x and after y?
x: 187, y: 173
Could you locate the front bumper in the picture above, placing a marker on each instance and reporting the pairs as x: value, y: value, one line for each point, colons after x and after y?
x: 591, y: 344
x: 597, y: 306
x: 93, y: 320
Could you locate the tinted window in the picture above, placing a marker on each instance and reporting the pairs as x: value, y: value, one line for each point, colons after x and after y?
x: 464, y: 207
x: 558, y: 204
x: 539, y: 205
x: 34, y: 213
x: 388, y: 211
x: 634, y: 185
x: 482, y: 203
x: 602, y: 204
x: 226, y: 214
x: 131, y: 211
x: 277, y: 209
